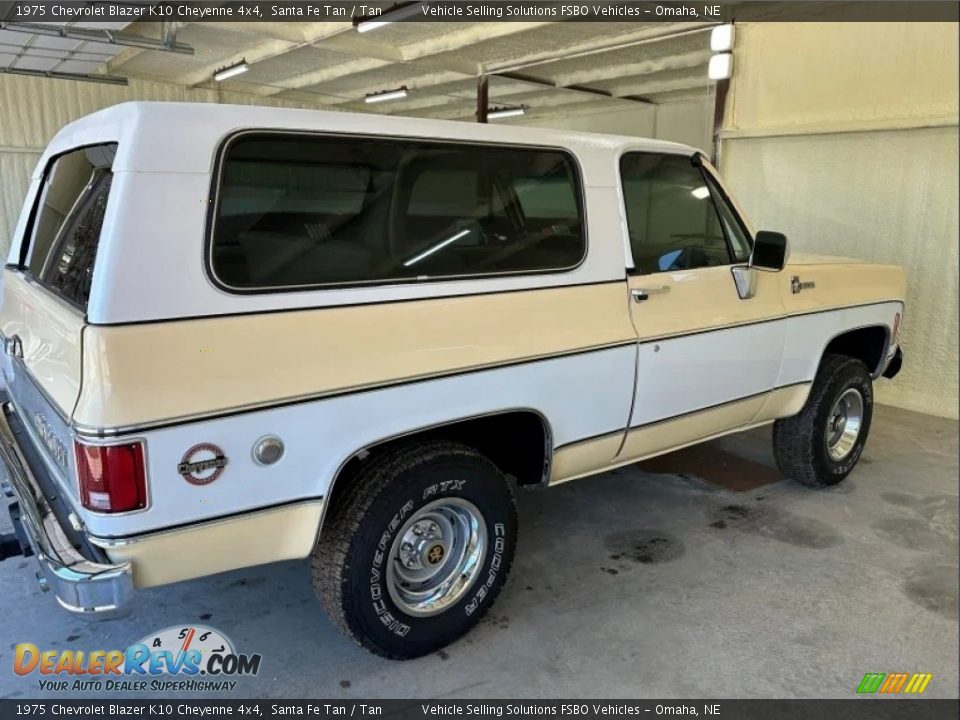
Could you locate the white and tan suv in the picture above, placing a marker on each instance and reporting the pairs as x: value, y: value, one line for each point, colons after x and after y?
x: 240, y: 335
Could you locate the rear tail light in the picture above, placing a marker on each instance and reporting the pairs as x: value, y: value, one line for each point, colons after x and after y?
x: 112, y: 478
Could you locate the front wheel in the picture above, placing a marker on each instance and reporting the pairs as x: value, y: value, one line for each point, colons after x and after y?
x: 821, y: 445
x: 418, y: 550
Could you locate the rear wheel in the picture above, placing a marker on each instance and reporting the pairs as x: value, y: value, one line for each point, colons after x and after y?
x: 822, y: 444
x: 418, y: 549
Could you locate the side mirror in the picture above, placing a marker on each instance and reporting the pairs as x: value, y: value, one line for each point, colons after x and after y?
x: 769, y: 251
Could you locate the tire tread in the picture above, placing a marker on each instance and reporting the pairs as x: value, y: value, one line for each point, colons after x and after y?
x: 330, y: 562
x: 795, y: 440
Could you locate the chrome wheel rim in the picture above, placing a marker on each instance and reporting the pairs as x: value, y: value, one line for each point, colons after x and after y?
x: 843, y: 424
x: 436, y: 556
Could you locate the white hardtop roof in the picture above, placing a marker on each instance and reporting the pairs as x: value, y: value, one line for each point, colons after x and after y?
x: 182, y: 137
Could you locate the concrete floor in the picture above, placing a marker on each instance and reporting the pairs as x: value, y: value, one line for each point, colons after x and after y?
x: 637, y: 583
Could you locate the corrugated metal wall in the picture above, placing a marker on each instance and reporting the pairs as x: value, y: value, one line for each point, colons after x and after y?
x: 844, y: 137
x: 32, y: 110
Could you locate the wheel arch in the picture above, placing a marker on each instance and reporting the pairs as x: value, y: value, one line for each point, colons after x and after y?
x: 868, y: 343
x: 518, y: 440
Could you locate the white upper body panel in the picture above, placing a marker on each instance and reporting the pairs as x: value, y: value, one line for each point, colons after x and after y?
x: 150, y: 261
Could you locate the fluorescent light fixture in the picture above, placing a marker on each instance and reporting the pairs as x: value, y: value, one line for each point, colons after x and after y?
x: 397, y: 94
x: 700, y: 193
x: 391, y: 16
x: 232, y: 71
x: 504, y: 113
x: 721, y: 66
x: 432, y: 249
x: 721, y: 38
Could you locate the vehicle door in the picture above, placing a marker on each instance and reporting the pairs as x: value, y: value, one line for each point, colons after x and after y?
x: 707, y: 357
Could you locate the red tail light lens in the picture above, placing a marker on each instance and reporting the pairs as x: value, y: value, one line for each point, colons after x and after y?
x: 112, y: 477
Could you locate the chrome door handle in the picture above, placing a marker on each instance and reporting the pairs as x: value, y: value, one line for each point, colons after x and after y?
x: 641, y: 294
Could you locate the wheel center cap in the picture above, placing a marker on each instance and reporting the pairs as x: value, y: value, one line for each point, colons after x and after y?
x: 435, y: 554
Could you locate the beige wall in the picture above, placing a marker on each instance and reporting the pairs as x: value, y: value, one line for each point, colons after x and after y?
x: 32, y: 110
x: 844, y: 136
x: 689, y: 122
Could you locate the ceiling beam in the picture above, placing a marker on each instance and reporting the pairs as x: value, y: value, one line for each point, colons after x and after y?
x: 57, y: 75
x: 681, y: 61
x: 570, y: 88
x: 107, y: 37
x: 644, y: 36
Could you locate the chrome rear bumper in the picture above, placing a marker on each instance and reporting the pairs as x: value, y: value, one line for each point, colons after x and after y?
x: 80, y: 585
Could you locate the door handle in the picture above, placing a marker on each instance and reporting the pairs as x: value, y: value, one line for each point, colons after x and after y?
x: 641, y: 294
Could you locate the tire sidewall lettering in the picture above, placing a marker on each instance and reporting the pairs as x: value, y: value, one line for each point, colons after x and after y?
x: 402, y: 625
x: 499, y: 545
x: 377, y: 591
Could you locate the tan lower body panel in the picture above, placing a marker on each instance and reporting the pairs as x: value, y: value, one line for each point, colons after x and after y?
x: 600, y: 454
x: 285, y: 533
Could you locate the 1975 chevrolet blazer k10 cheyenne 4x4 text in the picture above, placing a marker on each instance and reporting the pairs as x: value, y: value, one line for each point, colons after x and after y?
x: 234, y: 336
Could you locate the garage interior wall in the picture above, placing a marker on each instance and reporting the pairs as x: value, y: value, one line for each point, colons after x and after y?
x: 32, y: 110
x: 844, y: 137
x: 689, y: 121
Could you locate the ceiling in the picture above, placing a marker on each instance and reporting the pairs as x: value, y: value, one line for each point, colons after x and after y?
x: 43, y: 53
x: 547, y: 67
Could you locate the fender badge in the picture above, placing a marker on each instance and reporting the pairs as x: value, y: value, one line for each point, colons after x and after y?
x: 796, y: 285
x: 202, y: 464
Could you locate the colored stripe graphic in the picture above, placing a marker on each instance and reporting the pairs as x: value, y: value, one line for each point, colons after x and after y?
x: 871, y: 682
x: 918, y: 683
x: 893, y: 683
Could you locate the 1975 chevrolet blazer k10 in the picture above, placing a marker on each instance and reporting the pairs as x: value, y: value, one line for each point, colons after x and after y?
x: 234, y: 336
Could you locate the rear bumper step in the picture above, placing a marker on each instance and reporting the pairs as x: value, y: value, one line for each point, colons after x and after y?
x: 81, y: 585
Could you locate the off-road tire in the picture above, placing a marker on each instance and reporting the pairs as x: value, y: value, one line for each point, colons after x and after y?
x: 348, y: 564
x: 799, y: 442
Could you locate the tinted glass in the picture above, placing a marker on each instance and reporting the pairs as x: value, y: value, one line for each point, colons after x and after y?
x: 737, y: 235
x: 68, y: 221
x: 303, y: 211
x: 671, y: 218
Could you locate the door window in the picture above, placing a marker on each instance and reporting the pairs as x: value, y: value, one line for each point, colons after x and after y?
x: 671, y: 217
x: 737, y: 235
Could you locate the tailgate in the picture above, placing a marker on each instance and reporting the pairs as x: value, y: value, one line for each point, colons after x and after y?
x: 41, y: 367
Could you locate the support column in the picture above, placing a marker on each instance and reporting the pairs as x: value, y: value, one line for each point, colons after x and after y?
x: 719, y: 108
x: 483, y: 98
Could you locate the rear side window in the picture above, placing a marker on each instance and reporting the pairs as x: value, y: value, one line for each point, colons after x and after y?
x: 303, y: 211
x: 68, y: 220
